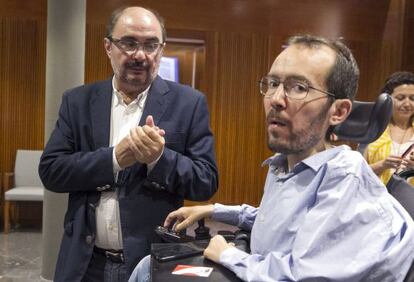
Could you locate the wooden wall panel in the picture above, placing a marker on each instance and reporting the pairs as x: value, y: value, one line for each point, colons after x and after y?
x: 97, y: 65
x: 238, y: 117
x: 22, y: 84
x: 25, y: 10
x: 22, y: 104
x: 408, y: 48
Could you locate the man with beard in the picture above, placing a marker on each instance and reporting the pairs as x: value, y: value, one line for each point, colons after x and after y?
x: 324, y: 215
x: 128, y: 151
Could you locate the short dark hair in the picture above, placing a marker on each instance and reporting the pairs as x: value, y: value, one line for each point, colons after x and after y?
x: 396, y: 79
x: 343, y: 77
x: 118, y: 12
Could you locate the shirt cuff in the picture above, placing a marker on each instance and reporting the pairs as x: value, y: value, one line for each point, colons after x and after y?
x: 115, y: 165
x: 231, y: 256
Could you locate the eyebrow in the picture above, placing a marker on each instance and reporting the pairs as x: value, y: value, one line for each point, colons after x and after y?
x: 147, y: 40
x: 292, y: 77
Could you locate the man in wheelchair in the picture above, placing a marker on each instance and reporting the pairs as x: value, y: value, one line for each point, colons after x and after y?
x: 324, y: 215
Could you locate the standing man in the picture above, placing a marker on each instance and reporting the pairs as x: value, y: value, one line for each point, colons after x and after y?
x: 128, y: 151
x: 324, y: 215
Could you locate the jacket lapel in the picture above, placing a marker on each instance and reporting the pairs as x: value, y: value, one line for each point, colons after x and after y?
x: 155, y: 105
x: 157, y: 101
x: 100, y: 105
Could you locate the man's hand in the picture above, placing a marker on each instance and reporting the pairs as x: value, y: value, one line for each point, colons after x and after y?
x: 186, y: 216
x: 147, y: 142
x: 124, y: 155
x: 144, y: 144
x: 216, y: 246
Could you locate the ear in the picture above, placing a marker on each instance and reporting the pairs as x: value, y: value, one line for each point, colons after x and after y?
x: 108, y: 47
x: 339, y: 111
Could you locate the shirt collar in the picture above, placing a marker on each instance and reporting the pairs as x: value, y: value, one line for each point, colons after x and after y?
x: 278, y: 162
x: 118, y: 99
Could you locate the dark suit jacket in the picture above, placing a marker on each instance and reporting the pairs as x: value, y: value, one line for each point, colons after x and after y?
x: 78, y: 160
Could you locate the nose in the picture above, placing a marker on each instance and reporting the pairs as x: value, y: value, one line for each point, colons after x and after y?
x: 278, y: 99
x: 406, y: 102
x: 139, y: 54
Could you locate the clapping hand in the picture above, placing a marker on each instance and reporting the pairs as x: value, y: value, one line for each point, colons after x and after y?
x: 144, y: 144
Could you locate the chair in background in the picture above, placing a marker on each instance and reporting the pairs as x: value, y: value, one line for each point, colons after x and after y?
x: 366, y: 122
x: 23, y: 184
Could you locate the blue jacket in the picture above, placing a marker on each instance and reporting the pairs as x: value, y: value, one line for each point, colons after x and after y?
x: 78, y: 160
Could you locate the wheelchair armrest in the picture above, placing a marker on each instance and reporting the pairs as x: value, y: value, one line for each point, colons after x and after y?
x: 406, y: 173
x: 242, y: 240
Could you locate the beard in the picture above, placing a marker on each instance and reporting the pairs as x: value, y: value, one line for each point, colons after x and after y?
x: 136, y: 75
x: 301, y: 140
x: 133, y: 79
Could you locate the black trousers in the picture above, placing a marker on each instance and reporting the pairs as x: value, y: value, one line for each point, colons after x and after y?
x: 105, y: 268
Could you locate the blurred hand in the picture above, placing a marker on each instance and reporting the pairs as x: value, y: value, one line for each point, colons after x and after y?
x: 392, y: 162
x: 143, y: 144
x: 186, y: 216
x: 216, y: 246
x: 147, y: 142
x: 408, y: 162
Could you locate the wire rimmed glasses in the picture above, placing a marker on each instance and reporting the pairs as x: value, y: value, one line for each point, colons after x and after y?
x: 293, y: 88
x: 130, y: 46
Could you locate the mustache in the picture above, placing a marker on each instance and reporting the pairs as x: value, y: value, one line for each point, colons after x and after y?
x: 136, y: 64
x: 274, y: 115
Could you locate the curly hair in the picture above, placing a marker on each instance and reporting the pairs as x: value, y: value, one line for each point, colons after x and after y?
x: 396, y: 79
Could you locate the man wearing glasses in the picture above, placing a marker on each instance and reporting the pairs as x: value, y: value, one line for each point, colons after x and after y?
x: 128, y: 151
x: 324, y: 215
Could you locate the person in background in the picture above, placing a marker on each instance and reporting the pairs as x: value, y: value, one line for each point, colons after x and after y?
x: 324, y: 215
x: 385, y: 155
x: 128, y: 151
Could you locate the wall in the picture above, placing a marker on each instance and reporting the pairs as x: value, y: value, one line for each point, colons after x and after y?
x: 22, y: 77
x: 241, y: 40
x: 408, y: 49
x: 22, y: 86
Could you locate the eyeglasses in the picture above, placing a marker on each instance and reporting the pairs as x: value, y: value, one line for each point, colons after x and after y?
x: 130, y: 46
x: 293, y: 88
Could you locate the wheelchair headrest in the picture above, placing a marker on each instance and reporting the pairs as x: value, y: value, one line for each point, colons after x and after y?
x: 367, y: 120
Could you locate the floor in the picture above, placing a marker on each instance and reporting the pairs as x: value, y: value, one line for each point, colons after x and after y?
x: 20, y: 255
x: 20, y: 252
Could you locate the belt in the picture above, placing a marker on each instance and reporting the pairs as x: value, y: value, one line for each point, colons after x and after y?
x: 116, y: 256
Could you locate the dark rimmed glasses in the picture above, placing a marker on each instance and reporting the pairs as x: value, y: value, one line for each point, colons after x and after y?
x: 130, y: 46
x: 293, y: 88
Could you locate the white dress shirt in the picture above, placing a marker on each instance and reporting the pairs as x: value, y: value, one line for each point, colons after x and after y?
x: 123, y: 118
